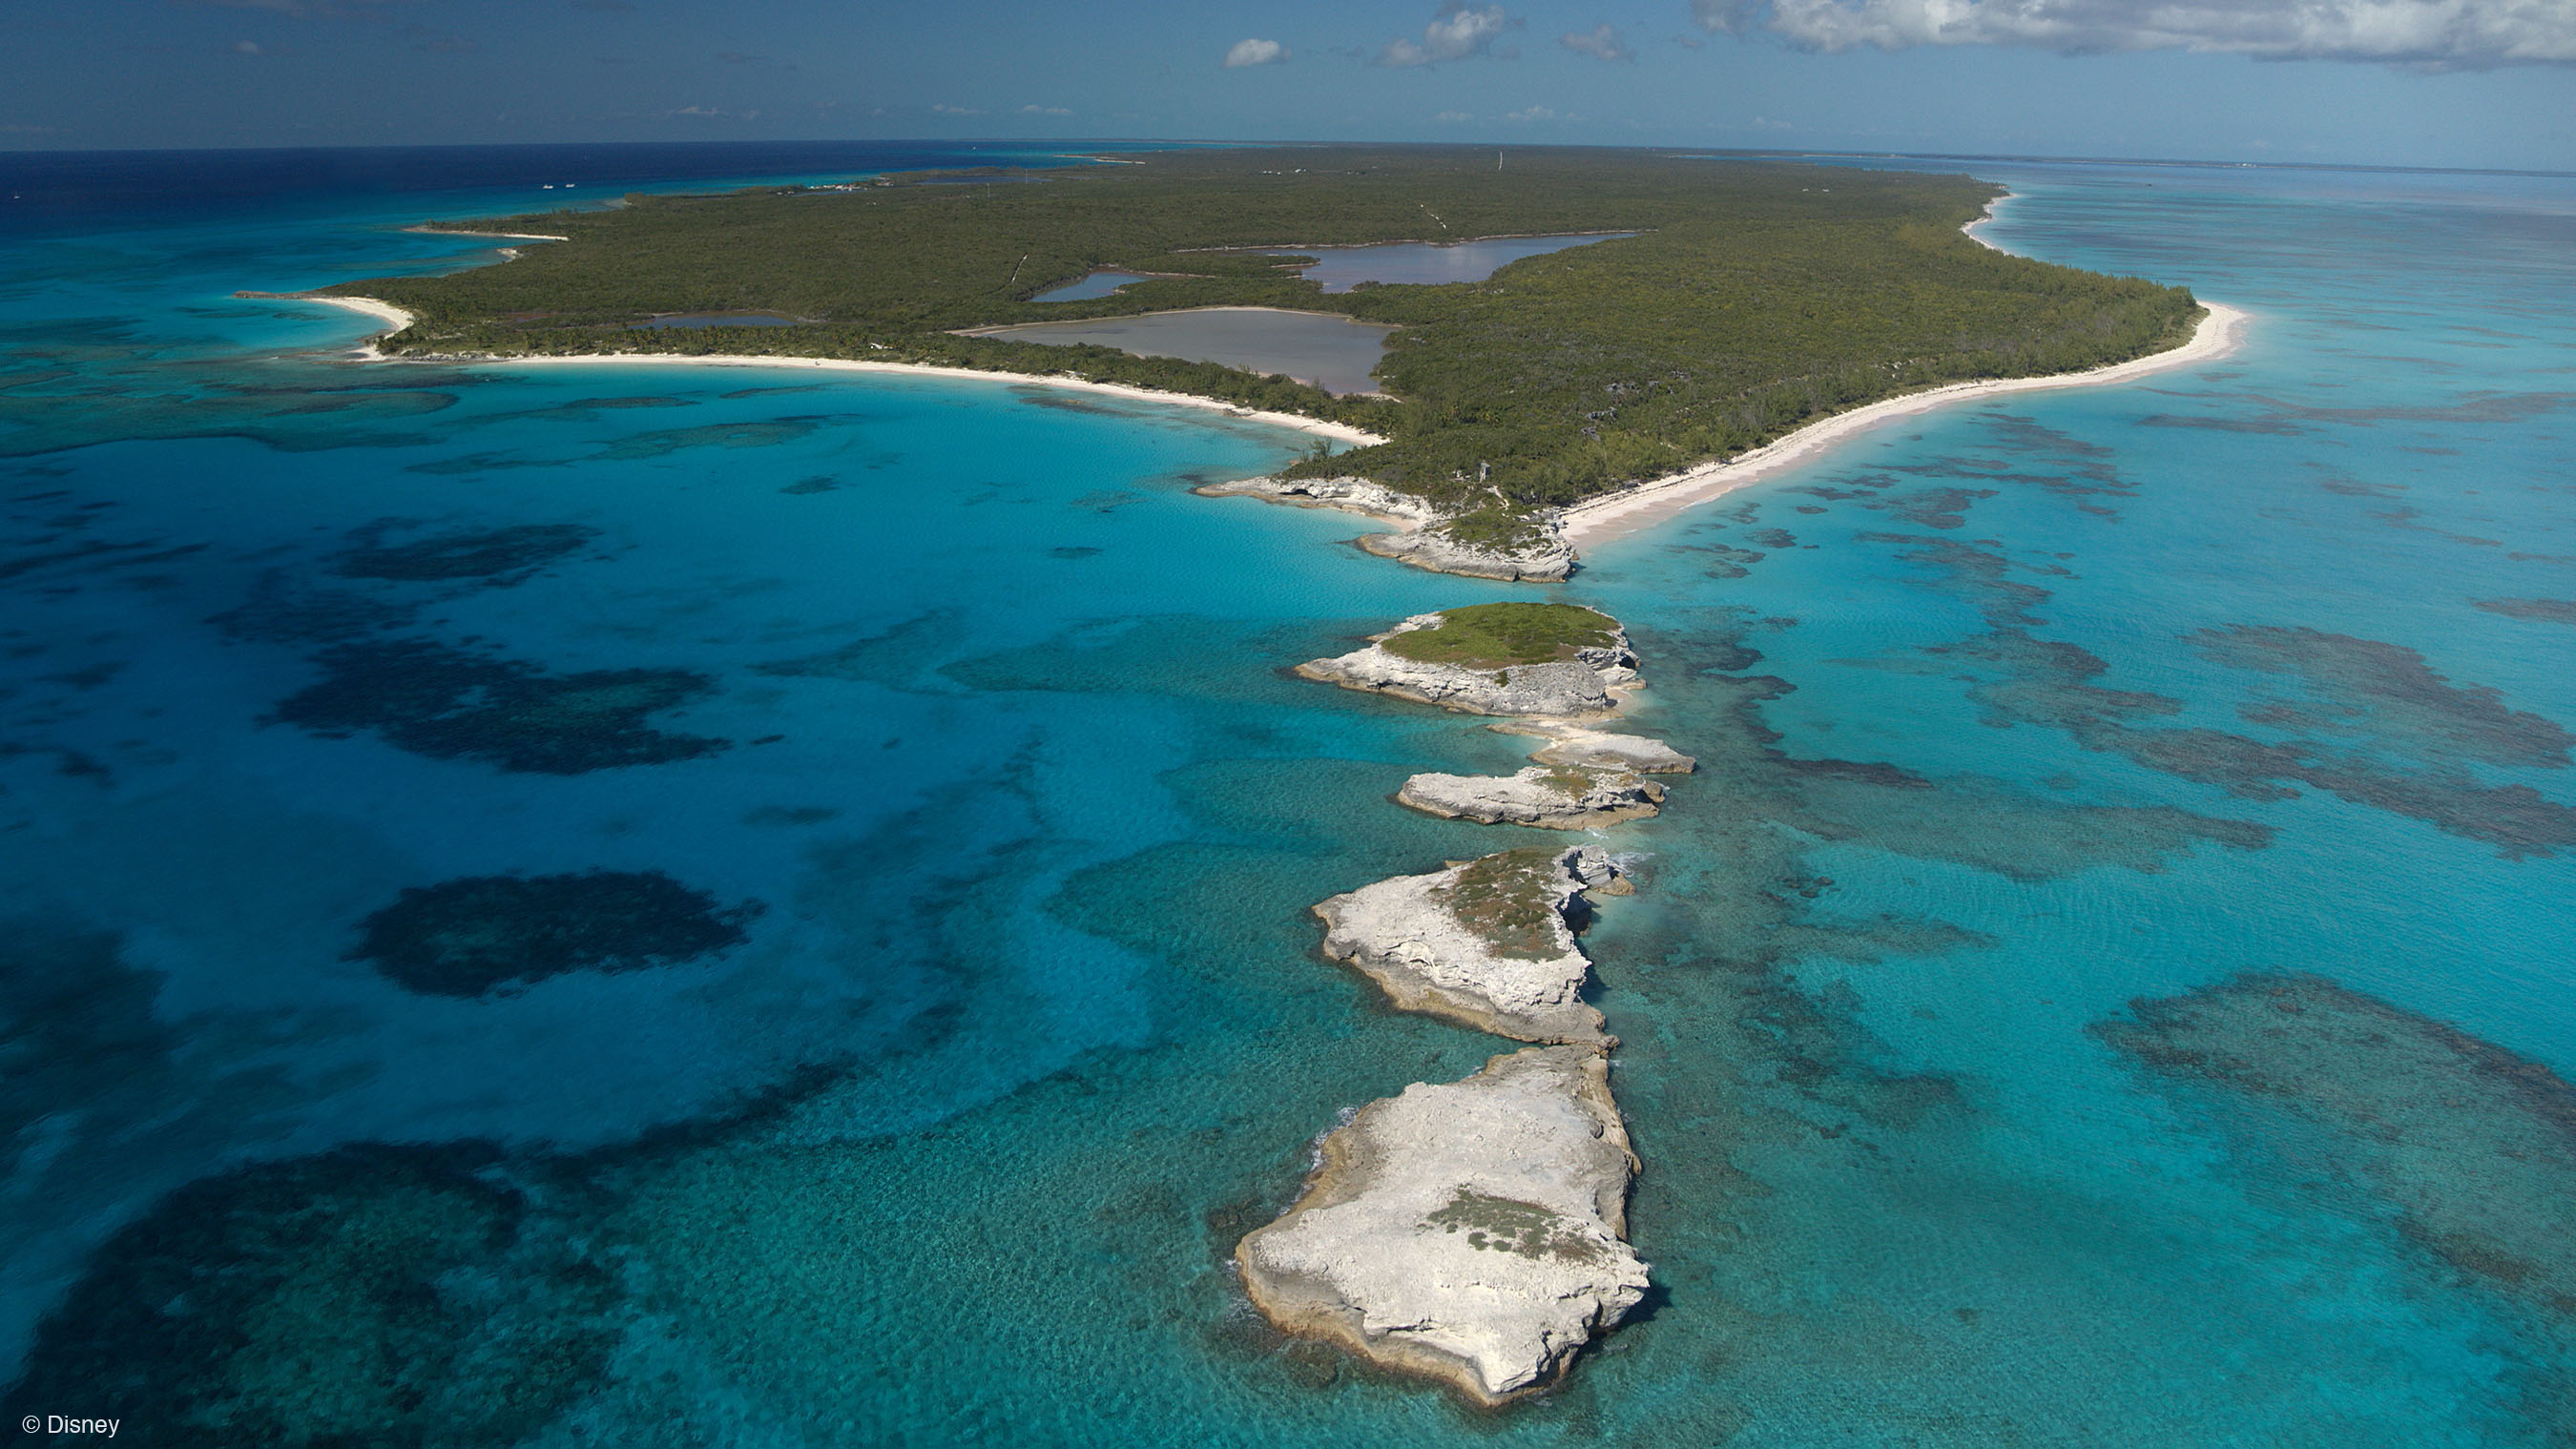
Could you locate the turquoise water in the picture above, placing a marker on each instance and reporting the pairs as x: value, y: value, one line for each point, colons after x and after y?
x: 973, y: 1014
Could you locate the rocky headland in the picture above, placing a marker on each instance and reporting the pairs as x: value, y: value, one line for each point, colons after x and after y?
x: 1551, y: 660
x: 1472, y: 1233
x: 1488, y: 943
x: 1551, y: 797
x: 1424, y: 537
x: 1469, y: 1232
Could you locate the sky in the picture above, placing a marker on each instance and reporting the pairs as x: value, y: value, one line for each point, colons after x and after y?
x: 2468, y: 83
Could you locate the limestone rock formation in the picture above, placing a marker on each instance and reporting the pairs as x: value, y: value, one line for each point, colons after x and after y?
x: 1470, y: 1232
x: 1487, y: 942
x: 1546, y: 559
x: 1553, y: 797
x: 1424, y: 540
x: 1577, y: 686
x: 1590, y: 749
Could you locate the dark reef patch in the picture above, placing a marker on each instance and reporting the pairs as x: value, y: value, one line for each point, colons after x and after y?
x: 1936, y: 507
x: 500, y: 556
x: 484, y: 463
x: 2373, y: 723
x: 2546, y: 611
x: 765, y: 433
x: 452, y: 705
x: 2473, y: 1145
x: 484, y: 934
x: 1726, y: 562
x: 820, y: 483
x: 895, y: 656
x: 374, y: 1295
x: 282, y: 610
x: 2362, y: 686
x: 2221, y: 425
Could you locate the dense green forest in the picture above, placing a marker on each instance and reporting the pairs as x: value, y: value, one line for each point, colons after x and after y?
x: 1759, y: 295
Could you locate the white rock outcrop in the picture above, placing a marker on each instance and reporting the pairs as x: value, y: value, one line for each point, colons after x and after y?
x: 1352, y: 495
x: 1546, y: 559
x: 1590, y: 749
x: 1424, y: 540
x: 1577, y: 686
x: 1552, y: 797
x: 1469, y: 1232
x: 1486, y: 942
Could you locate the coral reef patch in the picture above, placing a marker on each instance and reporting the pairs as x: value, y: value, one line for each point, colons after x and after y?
x: 448, y: 704
x: 389, y: 1296
x: 496, y: 555
x: 479, y: 935
x: 2473, y: 1145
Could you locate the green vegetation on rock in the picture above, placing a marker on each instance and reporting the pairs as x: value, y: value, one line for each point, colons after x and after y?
x: 1499, y: 636
x: 1508, y: 1225
x: 1758, y: 296
x: 1509, y: 900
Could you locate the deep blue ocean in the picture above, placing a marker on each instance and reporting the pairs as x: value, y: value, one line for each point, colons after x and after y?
x: 2110, y: 982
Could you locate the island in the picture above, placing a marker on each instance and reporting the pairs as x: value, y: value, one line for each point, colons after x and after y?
x: 1469, y: 1232
x: 1559, y: 660
x: 1738, y: 303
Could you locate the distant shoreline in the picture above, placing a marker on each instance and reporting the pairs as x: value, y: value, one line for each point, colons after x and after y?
x: 2219, y: 332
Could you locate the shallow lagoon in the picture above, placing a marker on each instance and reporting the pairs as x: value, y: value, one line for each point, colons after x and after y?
x: 1430, y: 263
x: 1098, y: 284
x: 1332, y: 352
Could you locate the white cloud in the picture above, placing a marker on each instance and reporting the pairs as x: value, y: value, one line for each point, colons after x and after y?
x: 1530, y: 113
x: 1255, y: 52
x: 2439, y: 34
x: 1454, y: 117
x: 948, y: 110
x: 1604, y: 43
x: 1038, y: 110
x: 1457, y: 32
x: 247, y: 47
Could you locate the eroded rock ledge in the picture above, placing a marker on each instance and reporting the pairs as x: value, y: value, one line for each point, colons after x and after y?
x: 1487, y: 942
x: 1424, y: 539
x: 1551, y: 797
x: 1469, y: 1232
x: 1587, y: 749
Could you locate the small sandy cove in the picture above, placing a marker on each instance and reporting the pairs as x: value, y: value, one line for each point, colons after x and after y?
x: 2220, y: 332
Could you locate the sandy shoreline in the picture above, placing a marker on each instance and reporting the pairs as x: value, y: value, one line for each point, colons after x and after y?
x: 2220, y: 332
x: 397, y: 319
x: 1593, y: 521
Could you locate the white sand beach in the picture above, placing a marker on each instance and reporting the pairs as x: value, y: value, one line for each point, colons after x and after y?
x: 2220, y: 332
x: 396, y: 319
